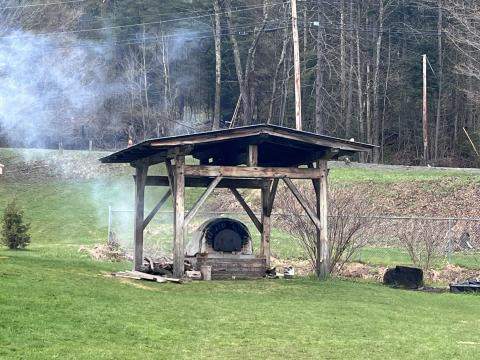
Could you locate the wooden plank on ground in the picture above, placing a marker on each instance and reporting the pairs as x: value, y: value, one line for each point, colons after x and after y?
x: 138, y: 275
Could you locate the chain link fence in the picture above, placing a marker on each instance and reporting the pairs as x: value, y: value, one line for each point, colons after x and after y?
x: 429, y: 242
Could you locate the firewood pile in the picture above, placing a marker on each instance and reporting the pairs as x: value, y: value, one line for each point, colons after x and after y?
x: 162, y: 266
x: 159, y: 270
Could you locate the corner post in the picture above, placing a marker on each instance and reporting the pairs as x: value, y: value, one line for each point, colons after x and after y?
x: 323, y: 251
x: 265, y: 242
x: 141, y: 171
x: 179, y: 216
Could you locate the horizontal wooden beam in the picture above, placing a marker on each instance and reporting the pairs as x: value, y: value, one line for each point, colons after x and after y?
x: 252, y: 172
x: 203, y: 182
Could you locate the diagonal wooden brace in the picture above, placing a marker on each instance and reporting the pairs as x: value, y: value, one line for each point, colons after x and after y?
x: 157, y: 207
x: 201, y: 200
x: 303, y: 202
x: 247, y: 209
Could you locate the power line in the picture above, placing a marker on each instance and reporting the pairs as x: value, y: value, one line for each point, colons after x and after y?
x: 143, y: 23
x: 43, y: 4
x: 155, y: 15
x: 194, y: 35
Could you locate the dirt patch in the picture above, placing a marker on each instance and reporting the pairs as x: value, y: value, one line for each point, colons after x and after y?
x: 452, y: 274
x: 362, y: 271
x: 302, y: 267
x: 447, y: 275
x: 105, y: 252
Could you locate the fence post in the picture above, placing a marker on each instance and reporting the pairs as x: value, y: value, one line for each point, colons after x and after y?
x: 109, y: 223
x: 449, y: 245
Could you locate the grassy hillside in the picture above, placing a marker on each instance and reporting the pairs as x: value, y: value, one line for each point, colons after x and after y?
x: 66, y: 196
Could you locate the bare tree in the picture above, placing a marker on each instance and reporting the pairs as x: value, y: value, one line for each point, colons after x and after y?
x: 243, y: 76
x: 346, y: 230
x: 440, y: 78
x: 375, y: 84
x: 218, y: 64
x: 424, y: 241
x: 319, y: 119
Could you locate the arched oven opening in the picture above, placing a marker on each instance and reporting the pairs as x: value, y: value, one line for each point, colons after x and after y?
x: 225, y: 244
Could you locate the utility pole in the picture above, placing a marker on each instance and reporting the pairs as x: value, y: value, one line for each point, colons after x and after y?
x: 424, y: 111
x: 296, y: 60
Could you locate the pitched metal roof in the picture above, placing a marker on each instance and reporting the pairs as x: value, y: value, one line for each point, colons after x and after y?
x: 229, y: 141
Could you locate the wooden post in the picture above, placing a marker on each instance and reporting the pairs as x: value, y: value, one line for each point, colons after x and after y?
x: 141, y: 171
x: 252, y: 155
x: 296, y: 60
x: 265, y: 243
x: 179, y: 214
x: 323, y: 251
x: 318, y: 253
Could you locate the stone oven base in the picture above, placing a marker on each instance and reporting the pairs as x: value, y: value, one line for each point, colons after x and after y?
x: 228, y: 268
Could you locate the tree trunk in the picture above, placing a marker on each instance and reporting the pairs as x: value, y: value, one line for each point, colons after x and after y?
x: 440, y: 79
x: 242, y: 77
x: 361, y: 125
x: 368, y: 118
x: 348, y: 116
x: 319, y: 119
x: 385, y: 88
x: 238, y: 61
x: 218, y: 65
x: 286, y: 78
x: 275, y: 77
x: 343, y: 65
x: 375, y: 87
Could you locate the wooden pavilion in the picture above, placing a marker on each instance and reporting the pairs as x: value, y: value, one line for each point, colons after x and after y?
x: 251, y: 157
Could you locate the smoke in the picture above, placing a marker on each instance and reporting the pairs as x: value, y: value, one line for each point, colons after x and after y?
x: 50, y: 87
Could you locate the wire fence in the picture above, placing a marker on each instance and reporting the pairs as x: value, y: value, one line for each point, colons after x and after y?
x: 381, y: 241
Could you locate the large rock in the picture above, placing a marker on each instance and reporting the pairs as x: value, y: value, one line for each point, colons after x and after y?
x: 404, y: 277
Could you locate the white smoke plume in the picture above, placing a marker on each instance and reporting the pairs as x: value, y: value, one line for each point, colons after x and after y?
x: 50, y: 87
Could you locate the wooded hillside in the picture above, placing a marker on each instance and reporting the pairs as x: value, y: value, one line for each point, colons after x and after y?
x: 81, y: 70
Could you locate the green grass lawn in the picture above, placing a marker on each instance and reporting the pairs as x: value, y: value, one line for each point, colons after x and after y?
x: 56, y: 303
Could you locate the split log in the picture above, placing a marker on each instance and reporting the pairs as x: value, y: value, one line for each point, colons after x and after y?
x: 137, y: 275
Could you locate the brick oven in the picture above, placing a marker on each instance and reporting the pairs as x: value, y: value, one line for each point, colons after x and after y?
x: 226, y: 245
